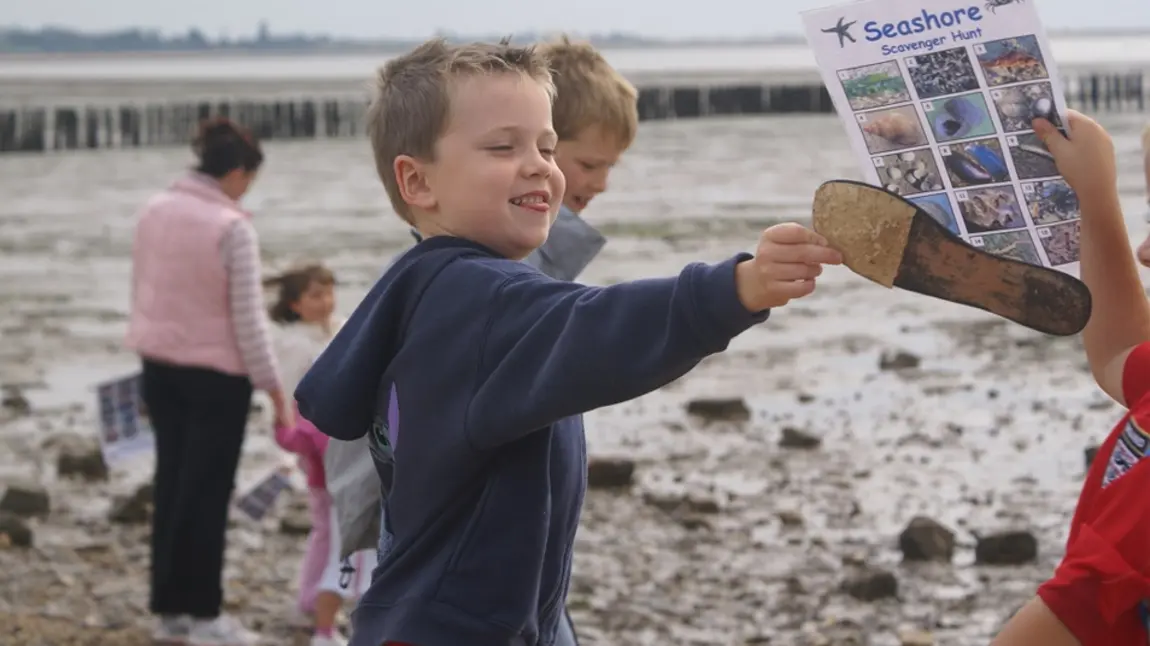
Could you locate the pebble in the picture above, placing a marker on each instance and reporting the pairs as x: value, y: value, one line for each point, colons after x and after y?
x: 871, y: 585
x: 14, y: 530
x: 898, y: 360
x: 730, y: 409
x: 925, y: 539
x: 133, y: 509
x: 793, y: 438
x: 610, y: 473
x: 1006, y: 548
x: 295, y: 523
x: 25, y: 499
x: 14, y: 401
x: 790, y: 518
x: 82, y: 458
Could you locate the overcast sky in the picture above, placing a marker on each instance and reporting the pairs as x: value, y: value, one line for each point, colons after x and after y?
x: 420, y: 18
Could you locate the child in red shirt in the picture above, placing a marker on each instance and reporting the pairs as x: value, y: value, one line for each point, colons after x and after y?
x: 1100, y: 592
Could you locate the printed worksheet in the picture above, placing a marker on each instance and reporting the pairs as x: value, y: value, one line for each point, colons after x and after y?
x: 125, y: 429
x: 257, y: 501
x: 938, y: 97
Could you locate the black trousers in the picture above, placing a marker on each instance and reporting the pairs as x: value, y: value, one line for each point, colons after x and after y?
x: 199, y: 417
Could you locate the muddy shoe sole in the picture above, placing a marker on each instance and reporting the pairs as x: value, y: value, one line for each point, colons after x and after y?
x: 889, y: 240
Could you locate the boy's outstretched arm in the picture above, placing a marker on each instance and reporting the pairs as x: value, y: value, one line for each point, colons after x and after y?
x: 1120, y: 318
x: 553, y: 349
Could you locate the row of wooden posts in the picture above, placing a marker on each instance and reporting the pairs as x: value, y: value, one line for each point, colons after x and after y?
x: 63, y: 127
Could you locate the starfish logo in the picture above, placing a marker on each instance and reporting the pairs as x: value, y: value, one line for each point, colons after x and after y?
x: 842, y: 30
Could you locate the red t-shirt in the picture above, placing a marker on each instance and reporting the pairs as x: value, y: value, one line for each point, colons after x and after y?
x: 1101, y: 589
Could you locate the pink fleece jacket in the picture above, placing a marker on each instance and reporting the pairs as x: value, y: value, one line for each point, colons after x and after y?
x: 309, y: 443
x: 296, y: 347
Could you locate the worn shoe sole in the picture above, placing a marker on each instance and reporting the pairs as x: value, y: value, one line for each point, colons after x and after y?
x: 889, y: 240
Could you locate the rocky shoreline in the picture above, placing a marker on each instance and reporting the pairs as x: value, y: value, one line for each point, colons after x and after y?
x: 77, y: 550
x: 867, y: 468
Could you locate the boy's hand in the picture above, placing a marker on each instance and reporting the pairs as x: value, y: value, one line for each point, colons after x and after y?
x: 284, y: 415
x: 1086, y: 159
x: 788, y: 259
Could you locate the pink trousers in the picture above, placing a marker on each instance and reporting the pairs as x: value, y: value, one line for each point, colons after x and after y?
x: 322, y: 569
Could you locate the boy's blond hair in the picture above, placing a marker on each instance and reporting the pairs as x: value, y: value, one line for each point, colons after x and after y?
x: 590, y: 93
x: 411, y: 104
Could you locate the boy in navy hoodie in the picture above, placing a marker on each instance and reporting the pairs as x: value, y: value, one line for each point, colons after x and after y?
x: 470, y: 370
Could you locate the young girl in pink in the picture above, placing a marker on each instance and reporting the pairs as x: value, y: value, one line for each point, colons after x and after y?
x: 305, y: 324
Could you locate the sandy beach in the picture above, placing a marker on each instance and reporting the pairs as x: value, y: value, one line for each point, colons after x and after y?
x: 769, y: 513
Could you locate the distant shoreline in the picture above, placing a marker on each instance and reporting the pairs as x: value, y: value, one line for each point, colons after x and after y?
x: 322, y: 46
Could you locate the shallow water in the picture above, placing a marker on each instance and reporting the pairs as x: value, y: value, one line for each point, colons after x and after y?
x: 987, y: 433
x: 1093, y: 51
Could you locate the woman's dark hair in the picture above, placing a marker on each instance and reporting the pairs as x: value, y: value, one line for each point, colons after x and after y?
x: 223, y: 146
x: 293, y: 283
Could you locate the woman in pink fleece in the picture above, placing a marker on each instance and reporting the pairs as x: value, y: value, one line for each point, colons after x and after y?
x: 303, y: 313
x: 196, y: 322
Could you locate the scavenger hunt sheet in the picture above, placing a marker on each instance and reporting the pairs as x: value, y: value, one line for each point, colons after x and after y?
x: 937, y: 97
x: 124, y: 425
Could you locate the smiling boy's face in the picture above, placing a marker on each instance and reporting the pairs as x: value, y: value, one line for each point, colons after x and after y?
x: 586, y: 161
x: 494, y: 179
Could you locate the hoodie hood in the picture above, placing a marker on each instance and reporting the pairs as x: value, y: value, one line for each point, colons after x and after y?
x: 340, y: 393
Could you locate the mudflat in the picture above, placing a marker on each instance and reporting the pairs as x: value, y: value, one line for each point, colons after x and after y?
x: 758, y: 500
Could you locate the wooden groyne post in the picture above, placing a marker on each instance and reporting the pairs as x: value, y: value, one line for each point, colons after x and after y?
x: 41, y: 129
x: 1107, y: 92
x: 100, y: 125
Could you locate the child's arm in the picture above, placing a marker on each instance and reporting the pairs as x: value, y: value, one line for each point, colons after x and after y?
x: 1035, y: 625
x: 303, y: 438
x: 1143, y: 253
x: 553, y: 349
x: 1120, y: 318
x: 1146, y: 158
x: 293, y: 439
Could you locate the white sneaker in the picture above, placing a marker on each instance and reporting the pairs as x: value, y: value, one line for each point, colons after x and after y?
x: 221, y: 631
x: 334, y: 640
x: 172, y: 630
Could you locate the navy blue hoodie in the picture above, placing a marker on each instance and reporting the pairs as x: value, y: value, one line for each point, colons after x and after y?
x: 487, y: 364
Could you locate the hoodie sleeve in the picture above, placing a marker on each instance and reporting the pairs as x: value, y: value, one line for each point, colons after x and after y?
x: 553, y: 349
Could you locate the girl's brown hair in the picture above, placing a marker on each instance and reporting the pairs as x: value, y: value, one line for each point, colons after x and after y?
x: 292, y: 285
x: 223, y: 146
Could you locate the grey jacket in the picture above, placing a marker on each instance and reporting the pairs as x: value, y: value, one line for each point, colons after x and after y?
x: 351, y: 478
